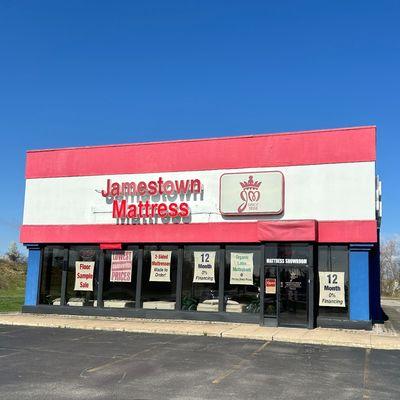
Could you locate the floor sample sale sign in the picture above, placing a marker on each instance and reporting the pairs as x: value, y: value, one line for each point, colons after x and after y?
x: 204, y: 267
x: 241, y: 269
x: 160, y: 266
x: 121, y: 266
x: 84, y: 271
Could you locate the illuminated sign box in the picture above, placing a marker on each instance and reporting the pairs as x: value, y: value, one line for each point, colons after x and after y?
x: 252, y: 193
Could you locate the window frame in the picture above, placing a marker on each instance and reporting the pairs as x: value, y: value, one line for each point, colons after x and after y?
x: 44, y: 270
x: 344, y: 316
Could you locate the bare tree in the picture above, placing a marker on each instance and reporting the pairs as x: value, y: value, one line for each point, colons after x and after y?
x: 14, y: 255
x: 390, y: 267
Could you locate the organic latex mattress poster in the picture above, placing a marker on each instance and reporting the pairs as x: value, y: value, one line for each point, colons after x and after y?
x: 242, y: 267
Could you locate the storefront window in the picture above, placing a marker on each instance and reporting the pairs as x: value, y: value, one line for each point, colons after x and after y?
x: 333, y: 274
x: 200, y: 278
x: 52, y: 265
x: 242, y: 279
x: 120, y: 274
x: 159, y: 277
x: 83, y: 265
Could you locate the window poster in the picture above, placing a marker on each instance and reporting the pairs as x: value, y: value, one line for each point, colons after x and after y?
x: 270, y: 285
x: 160, y: 269
x: 84, y: 271
x: 121, y: 266
x: 204, y: 267
x: 331, y: 289
x: 242, y: 267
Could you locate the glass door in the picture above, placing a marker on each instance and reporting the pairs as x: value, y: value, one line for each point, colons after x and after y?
x: 270, y: 293
x: 293, y: 296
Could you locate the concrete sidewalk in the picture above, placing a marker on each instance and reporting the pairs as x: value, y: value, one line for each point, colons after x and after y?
x: 379, y: 338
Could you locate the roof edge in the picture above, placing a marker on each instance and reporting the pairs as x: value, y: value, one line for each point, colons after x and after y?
x: 288, y: 133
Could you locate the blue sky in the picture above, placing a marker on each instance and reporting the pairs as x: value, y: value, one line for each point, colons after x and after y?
x: 97, y: 72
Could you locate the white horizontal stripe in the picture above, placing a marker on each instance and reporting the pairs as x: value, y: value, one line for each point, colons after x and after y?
x: 344, y: 191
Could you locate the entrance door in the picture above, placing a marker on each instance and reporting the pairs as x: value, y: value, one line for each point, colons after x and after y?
x: 293, y: 297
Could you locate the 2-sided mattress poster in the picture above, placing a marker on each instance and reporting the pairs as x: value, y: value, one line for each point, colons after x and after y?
x: 121, y: 266
x: 160, y: 269
x: 242, y: 267
x: 331, y: 289
x: 84, y: 272
x: 204, y: 267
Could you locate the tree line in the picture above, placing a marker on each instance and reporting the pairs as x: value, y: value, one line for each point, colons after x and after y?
x: 390, y: 267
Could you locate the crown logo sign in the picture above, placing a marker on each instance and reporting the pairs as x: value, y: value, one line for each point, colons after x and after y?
x: 249, y: 194
x: 250, y: 184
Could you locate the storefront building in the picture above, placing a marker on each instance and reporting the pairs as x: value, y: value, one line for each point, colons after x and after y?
x: 278, y: 230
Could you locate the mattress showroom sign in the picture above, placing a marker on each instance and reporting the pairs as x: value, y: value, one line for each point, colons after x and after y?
x: 147, y: 199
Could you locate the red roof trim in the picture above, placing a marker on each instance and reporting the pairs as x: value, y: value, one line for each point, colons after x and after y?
x: 257, y: 151
x: 250, y: 135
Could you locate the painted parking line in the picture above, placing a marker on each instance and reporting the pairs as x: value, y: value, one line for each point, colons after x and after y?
x: 239, y: 365
x: 366, y: 374
x: 118, y: 360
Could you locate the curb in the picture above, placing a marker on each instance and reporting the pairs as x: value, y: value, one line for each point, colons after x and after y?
x: 367, y: 341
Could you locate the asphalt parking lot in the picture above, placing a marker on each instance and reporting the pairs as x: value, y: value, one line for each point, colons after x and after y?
x: 392, y: 310
x: 47, y: 363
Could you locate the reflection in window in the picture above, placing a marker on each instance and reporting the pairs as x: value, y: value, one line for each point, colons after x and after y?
x: 200, y: 278
x: 120, y: 274
x: 86, y: 255
x: 50, y: 286
x: 242, y: 279
x: 293, y: 296
x: 159, y: 277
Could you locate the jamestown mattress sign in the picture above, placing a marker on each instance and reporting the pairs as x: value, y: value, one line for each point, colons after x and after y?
x: 215, y: 213
x: 167, y: 200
